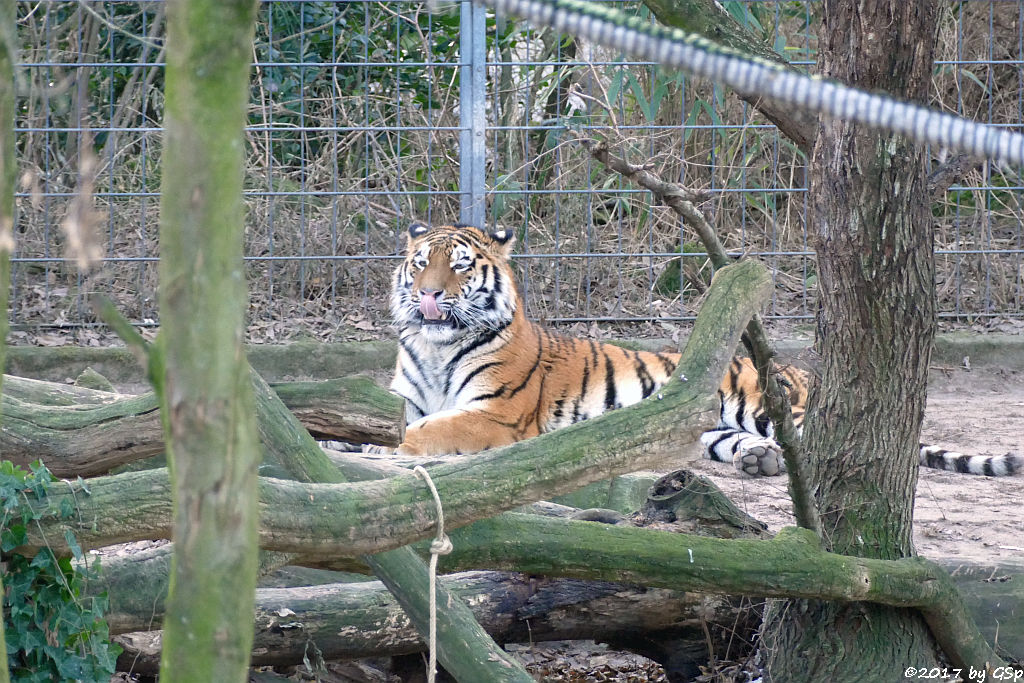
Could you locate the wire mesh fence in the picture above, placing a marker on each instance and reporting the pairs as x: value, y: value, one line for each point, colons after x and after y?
x: 367, y: 115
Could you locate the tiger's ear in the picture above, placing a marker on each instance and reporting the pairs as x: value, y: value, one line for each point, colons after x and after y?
x: 505, y: 239
x: 417, y: 229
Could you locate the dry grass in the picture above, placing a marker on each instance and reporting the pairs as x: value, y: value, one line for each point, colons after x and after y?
x: 324, y: 187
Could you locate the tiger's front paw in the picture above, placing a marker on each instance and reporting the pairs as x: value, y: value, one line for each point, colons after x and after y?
x: 760, y: 458
x: 409, y: 449
x: 405, y: 449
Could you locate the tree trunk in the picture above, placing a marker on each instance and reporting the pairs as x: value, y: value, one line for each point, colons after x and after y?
x: 206, y: 393
x: 876, y: 324
x: 8, y: 173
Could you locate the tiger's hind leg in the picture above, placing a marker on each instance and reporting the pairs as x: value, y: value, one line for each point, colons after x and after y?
x: 751, y: 454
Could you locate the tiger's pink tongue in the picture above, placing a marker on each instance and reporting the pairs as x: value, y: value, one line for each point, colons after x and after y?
x: 428, y: 307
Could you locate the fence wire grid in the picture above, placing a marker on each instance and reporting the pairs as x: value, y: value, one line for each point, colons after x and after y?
x: 367, y: 115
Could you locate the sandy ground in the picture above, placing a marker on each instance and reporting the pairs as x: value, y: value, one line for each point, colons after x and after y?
x: 979, y: 412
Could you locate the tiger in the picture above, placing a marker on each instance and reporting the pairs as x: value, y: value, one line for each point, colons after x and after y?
x: 476, y: 373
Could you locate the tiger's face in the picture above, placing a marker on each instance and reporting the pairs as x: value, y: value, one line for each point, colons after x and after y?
x: 454, y: 281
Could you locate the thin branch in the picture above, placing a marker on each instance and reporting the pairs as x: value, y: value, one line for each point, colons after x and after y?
x: 955, y: 168
x: 106, y: 311
x: 776, y: 398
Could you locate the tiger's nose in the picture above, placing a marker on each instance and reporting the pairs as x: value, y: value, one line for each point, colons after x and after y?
x: 431, y: 293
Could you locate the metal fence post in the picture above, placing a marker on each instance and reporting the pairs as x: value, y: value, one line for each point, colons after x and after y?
x: 473, y: 114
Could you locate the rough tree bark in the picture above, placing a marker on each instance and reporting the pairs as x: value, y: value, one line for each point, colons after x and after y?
x: 7, y: 179
x: 875, y: 327
x: 206, y: 394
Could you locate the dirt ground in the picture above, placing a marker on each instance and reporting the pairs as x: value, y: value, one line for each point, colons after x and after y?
x: 978, y: 412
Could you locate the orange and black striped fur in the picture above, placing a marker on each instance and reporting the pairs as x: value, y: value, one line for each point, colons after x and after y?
x: 745, y: 435
x: 477, y: 374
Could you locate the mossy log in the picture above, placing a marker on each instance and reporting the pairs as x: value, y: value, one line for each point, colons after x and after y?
x: 274, y: 362
x: 558, y: 462
x: 561, y: 547
x: 373, y: 516
x: 354, y: 620
x: 994, y: 593
x: 84, y: 432
x: 135, y: 579
x: 791, y: 565
x: 370, y: 517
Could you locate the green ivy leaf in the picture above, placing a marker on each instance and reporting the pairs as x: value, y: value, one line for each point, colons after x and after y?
x: 52, y: 633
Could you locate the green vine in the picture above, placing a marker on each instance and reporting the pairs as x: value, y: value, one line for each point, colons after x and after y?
x: 53, y: 632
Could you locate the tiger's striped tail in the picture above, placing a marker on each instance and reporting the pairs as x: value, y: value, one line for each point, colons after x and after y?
x: 939, y: 458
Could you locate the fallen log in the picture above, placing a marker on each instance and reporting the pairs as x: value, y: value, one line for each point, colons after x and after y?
x: 56, y: 393
x: 366, y: 517
x: 350, y: 621
x: 135, y: 579
x: 355, y: 519
x: 346, y: 621
x: 371, y: 517
x: 704, y: 359
x: 993, y: 593
x: 84, y: 432
x: 643, y: 434
x: 351, y: 519
x: 274, y: 362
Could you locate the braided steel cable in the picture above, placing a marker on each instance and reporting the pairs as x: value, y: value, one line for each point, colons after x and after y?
x: 754, y: 76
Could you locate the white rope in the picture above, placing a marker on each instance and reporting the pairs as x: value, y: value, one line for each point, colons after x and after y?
x: 755, y: 76
x: 441, y: 545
